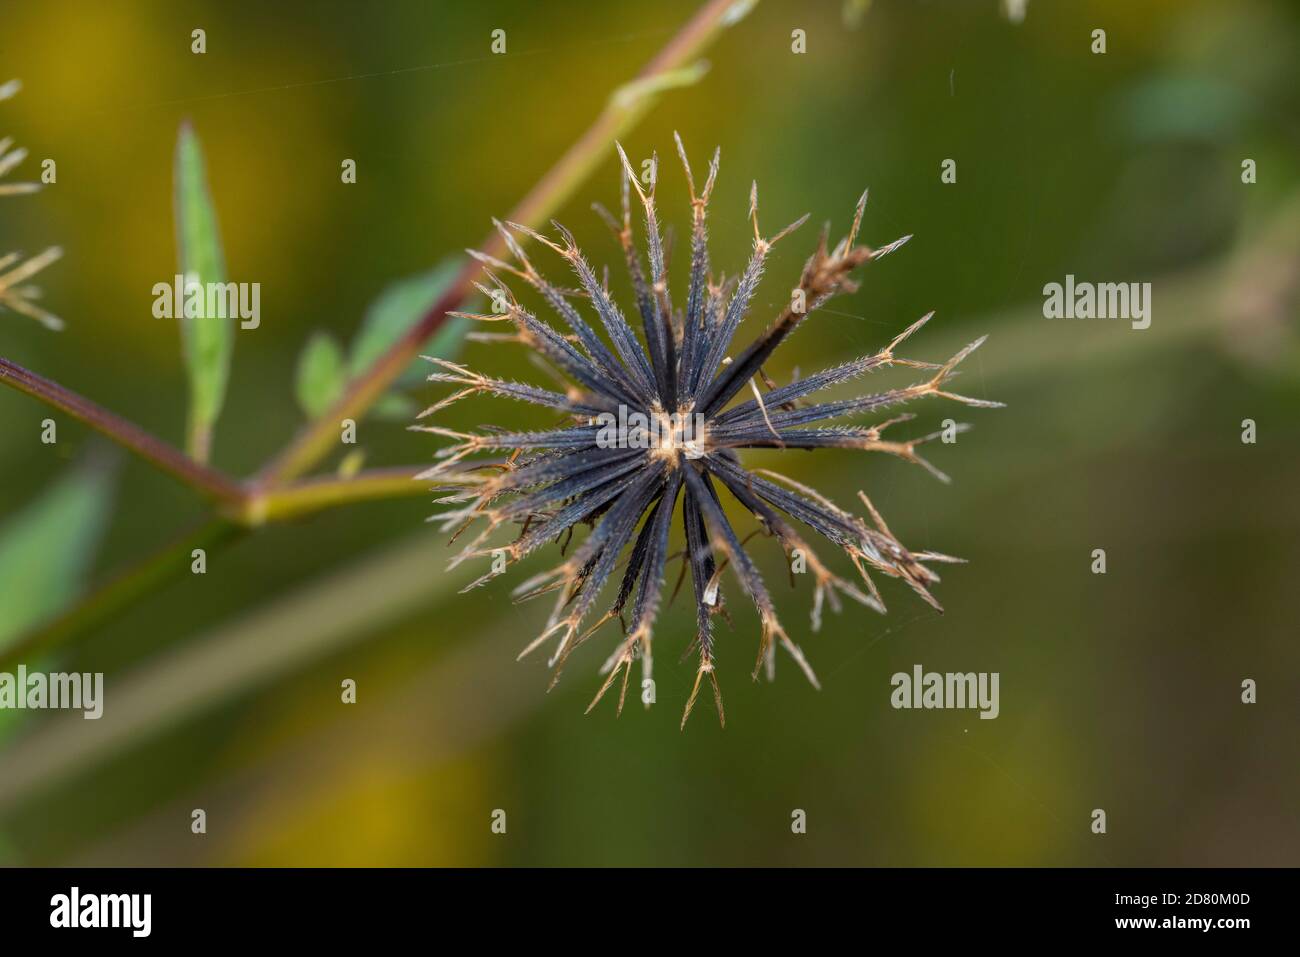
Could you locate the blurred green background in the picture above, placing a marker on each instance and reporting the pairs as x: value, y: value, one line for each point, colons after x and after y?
x: 1118, y: 691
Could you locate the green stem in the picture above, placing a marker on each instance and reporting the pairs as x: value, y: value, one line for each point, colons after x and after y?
x: 209, y: 482
x: 283, y: 502
x: 624, y: 109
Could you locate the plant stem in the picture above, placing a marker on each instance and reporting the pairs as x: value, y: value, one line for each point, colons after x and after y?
x: 209, y: 482
x: 621, y: 112
x: 279, y: 503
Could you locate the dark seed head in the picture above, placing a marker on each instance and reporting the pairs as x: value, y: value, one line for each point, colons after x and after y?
x: 659, y: 419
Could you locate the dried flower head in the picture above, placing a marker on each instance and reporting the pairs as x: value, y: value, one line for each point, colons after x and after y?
x: 15, y: 292
x: 650, y: 423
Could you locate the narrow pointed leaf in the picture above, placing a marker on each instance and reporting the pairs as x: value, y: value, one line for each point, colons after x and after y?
x: 208, y: 342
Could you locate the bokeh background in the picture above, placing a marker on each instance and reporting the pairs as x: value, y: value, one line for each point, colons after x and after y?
x: 1118, y: 691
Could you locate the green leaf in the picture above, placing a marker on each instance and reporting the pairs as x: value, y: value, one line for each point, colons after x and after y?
x: 324, y: 372
x: 208, y: 342
x: 45, y: 552
x: 321, y: 376
x: 47, y: 548
x: 398, y: 308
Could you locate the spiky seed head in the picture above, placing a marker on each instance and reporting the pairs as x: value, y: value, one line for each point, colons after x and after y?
x: 652, y: 434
